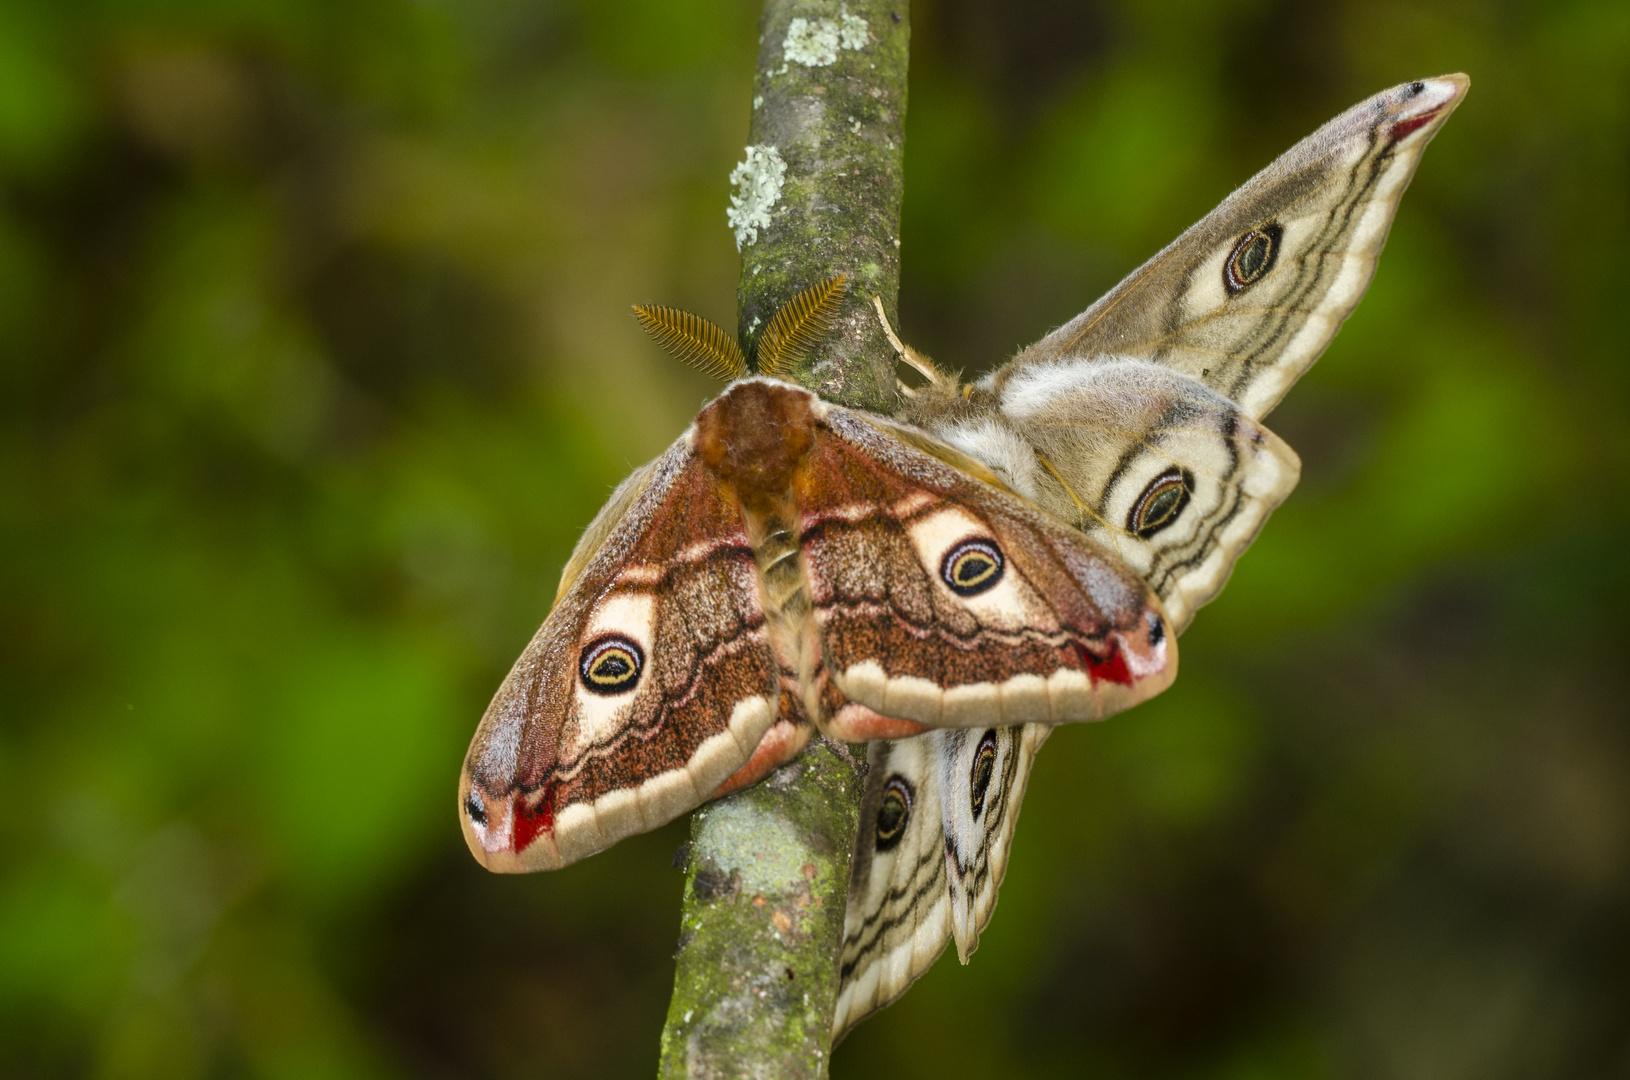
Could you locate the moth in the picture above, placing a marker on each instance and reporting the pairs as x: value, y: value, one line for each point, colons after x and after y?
x: 1139, y: 423
x: 791, y: 565
x: 947, y: 583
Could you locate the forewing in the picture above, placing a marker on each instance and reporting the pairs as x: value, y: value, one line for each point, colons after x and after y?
x: 942, y: 600
x: 1248, y: 298
x: 898, y: 915
x: 648, y: 685
x: 982, y: 780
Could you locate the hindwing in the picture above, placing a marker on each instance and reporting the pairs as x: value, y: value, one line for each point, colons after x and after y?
x: 935, y: 829
x: 983, y: 775
x: 1160, y: 469
x: 898, y: 917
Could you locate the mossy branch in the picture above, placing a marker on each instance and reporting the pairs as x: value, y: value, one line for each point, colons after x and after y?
x: 767, y: 875
x: 829, y: 140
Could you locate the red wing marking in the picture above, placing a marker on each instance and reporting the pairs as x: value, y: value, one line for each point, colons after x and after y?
x: 1404, y: 128
x: 531, y: 820
x: 1109, y: 668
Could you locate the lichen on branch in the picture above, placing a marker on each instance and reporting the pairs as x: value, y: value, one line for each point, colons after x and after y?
x: 829, y: 105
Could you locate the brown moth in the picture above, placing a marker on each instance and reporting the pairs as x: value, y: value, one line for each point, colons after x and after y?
x: 1138, y: 423
x: 788, y: 565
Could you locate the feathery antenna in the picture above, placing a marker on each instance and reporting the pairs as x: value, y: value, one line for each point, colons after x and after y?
x: 799, y: 325
x: 694, y: 340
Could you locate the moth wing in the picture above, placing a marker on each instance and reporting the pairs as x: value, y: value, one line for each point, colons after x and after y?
x: 944, y: 601
x: 1157, y: 467
x: 982, y: 782
x: 649, y: 684
x: 898, y: 916
x: 908, y: 881
x: 1250, y: 296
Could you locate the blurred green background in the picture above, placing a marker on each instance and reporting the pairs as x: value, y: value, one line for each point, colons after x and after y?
x: 317, y: 356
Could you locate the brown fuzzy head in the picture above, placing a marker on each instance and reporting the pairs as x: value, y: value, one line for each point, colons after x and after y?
x: 754, y: 436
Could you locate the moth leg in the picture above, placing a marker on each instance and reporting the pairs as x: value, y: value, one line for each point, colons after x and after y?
x: 914, y: 359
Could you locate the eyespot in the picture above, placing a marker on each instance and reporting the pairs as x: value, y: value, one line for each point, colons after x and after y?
x: 473, y: 807
x: 1252, y: 258
x: 984, y: 764
x: 611, y: 664
x: 972, y: 567
x: 1161, y: 502
x: 893, y: 813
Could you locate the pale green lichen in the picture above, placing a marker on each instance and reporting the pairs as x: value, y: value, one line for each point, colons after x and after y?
x: 758, y: 179
x: 839, y: 127
x: 742, y: 839
x: 815, y: 42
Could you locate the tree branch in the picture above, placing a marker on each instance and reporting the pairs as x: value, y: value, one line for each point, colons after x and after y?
x: 768, y: 871
x: 840, y: 130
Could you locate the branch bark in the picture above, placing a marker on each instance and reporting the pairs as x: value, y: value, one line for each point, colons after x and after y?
x: 767, y: 874
x: 840, y: 129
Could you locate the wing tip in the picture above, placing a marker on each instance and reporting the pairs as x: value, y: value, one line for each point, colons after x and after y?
x: 1419, y: 108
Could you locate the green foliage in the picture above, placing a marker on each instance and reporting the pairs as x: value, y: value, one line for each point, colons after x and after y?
x: 315, y: 359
